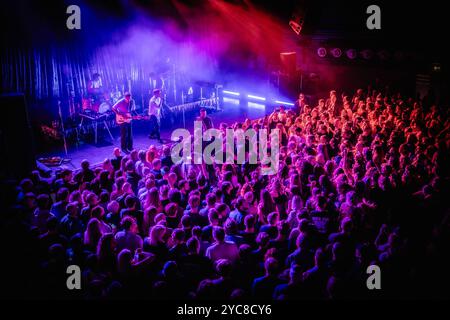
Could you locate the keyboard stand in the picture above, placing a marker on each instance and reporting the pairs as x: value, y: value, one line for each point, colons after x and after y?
x: 96, y: 119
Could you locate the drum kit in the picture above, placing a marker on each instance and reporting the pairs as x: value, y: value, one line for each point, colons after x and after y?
x: 100, y: 104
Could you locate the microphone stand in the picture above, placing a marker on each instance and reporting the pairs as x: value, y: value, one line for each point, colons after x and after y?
x: 62, y: 127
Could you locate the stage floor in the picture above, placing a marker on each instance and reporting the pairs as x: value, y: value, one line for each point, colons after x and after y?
x: 229, y: 114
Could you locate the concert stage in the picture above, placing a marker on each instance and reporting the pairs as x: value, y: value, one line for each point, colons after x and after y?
x: 231, y: 111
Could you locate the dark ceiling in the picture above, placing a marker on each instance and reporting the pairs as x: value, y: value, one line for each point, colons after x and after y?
x: 404, y: 23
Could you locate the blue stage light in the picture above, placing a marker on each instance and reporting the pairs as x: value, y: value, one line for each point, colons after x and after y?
x: 231, y: 100
x: 256, y: 105
x: 256, y: 97
x: 284, y: 103
x: 231, y: 92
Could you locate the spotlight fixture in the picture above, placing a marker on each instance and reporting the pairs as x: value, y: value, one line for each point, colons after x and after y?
x: 436, y: 67
x: 297, y: 20
x: 383, y: 55
x: 336, y: 52
x: 322, y: 52
x: 296, y: 26
x: 351, y: 54
x: 367, y: 54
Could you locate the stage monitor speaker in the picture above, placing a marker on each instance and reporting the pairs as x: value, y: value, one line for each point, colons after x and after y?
x: 16, y: 138
x: 288, y: 63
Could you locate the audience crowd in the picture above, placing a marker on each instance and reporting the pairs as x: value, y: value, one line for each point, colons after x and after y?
x: 362, y: 181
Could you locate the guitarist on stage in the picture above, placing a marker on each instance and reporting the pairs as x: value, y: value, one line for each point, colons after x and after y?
x: 154, y: 111
x: 123, y: 109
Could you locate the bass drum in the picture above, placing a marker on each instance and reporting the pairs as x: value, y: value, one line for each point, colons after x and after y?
x: 104, y: 108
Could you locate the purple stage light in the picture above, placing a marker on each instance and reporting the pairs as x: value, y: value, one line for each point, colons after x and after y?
x: 351, y: 54
x: 336, y: 52
x: 322, y: 52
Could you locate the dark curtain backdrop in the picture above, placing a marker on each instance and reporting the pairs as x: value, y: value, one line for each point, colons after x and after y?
x: 49, y: 74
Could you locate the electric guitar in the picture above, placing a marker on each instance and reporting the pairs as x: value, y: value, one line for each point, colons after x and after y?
x: 127, y: 118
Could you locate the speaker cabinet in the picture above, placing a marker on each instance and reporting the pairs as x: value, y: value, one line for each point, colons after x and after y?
x: 16, y: 140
